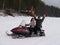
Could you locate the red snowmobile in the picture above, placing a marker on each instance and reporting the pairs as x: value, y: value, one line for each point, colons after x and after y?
x: 18, y: 32
x: 22, y: 31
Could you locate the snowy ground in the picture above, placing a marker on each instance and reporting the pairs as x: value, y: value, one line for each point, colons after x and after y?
x: 50, y: 25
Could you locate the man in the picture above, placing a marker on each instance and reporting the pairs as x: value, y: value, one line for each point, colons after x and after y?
x: 38, y: 24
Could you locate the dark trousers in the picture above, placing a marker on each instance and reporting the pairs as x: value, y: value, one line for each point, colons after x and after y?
x: 31, y: 30
x: 37, y: 29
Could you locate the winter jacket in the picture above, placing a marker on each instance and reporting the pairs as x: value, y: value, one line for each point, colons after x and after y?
x: 32, y: 23
x: 39, y: 22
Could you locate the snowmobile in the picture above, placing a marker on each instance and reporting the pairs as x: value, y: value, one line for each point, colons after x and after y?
x: 23, y: 31
x: 18, y: 32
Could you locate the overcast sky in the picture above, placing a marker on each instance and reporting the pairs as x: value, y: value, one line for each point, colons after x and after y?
x: 55, y: 3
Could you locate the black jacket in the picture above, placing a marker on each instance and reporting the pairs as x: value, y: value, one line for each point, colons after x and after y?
x: 39, y: 22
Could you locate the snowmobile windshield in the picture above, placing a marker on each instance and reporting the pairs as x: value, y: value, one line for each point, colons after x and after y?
x: 23, y: 23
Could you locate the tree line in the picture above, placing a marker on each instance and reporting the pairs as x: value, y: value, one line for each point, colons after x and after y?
x: 38, y: 5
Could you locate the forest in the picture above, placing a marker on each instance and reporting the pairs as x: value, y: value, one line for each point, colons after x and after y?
x: 39, y: 7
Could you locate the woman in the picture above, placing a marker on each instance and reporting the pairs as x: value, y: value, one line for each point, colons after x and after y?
x: 32, y: 25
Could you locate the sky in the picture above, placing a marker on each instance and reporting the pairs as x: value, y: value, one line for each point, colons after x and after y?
x: 55, y: 3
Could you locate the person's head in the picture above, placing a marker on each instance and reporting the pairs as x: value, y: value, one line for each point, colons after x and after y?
x: 38, y: 17
x: 32, y: 19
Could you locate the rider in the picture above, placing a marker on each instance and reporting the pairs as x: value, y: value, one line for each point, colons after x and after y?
x: 32, y: 25
x: 38, y: 23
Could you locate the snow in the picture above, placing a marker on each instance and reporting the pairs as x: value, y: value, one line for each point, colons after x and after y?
x: 2, y: 14
x: 50, y: 25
